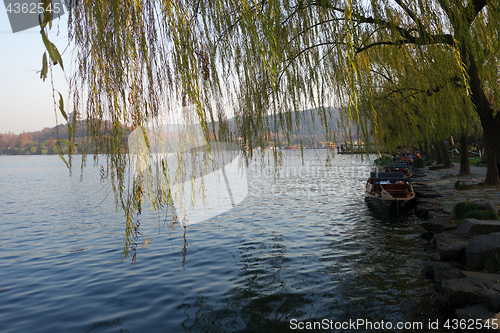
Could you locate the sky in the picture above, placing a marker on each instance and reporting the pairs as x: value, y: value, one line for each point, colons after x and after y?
x: 26, y: 102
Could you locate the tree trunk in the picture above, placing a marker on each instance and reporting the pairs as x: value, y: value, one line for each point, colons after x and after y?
x: 464, y: 155
x: 489, y: 122
x: 421, y: 148
x: 426, y: 151
x: 492, y: 176
x: 447, y: 162
x: 491, y: 142
x: 437, y: 154
x: 426, y: 148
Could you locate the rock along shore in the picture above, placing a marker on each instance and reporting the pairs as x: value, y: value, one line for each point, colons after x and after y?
x: 463, y: 249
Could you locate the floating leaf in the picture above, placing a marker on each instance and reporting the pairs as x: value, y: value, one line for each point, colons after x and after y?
x: 61, y: 156
x: 70, y: 130
x: 146, y: 242
x: 61, y: 107
x: 52, y: 49
x: 43, y: 72
x: 58, y: 56
x: 47, y: 11
x: 42, y: 24
x: 67, y: 142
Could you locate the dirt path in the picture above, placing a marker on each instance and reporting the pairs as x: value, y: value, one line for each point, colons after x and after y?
x: 443, y: 181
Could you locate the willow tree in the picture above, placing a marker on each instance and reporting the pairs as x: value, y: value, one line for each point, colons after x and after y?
x: 260, y: 61
x: 408, y: 107
x: 282, y: 54
x: 254, y: 58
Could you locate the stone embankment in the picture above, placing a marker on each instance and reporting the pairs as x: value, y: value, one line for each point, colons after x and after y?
x: 466, y: 250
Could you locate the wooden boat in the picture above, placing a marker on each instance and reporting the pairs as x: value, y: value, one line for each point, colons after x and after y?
x: 390, y: 189
x: 405, y: 156
x: 383, y: 160
x: 398, y: 167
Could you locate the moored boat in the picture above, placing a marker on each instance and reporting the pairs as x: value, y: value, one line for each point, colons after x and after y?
x: 390, y: 189
x: 398, y: 167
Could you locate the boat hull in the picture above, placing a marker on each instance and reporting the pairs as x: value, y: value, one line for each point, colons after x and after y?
x: 393, y: 205
x: 391, y: 201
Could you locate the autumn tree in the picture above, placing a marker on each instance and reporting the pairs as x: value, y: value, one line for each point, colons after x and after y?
x: 25, y: 138
x: 51, y: 143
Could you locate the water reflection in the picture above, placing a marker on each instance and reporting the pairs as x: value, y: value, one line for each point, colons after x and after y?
x: 107, y: 324
x: 184, y: 248
x: 380, y: 213
x: 356, y: 261
x: 301, y: 253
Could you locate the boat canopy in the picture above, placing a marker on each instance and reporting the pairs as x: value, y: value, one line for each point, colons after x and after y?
x: 377, y: 177
x: 396, y: 166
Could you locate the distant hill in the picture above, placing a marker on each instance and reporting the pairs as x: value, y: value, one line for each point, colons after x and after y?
x: 306, y: 125
x: 308, y: 128
x: 43, y: 142
x: 311, y: 122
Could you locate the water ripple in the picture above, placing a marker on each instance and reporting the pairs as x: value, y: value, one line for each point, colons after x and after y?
x: 305, y: 246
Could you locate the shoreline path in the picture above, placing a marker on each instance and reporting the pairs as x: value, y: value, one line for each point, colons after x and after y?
x: 443, y: 182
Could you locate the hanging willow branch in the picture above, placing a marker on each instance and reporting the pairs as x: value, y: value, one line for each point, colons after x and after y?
x: 240, y: 70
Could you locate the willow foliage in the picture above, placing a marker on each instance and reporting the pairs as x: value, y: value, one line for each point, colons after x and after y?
x: 404, y: 70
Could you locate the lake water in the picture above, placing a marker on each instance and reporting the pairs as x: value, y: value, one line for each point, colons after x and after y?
x: 301, y: 248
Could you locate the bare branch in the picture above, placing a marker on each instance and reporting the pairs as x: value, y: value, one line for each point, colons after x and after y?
x: 383, y: 75
x: 290, y: 61
x: 473, y: 9
x: 364, y: 48
x: 238, y: 20
x: 413, y: 17
x: 432, y: 39
x: 307, y: 29
x: 429, y: 92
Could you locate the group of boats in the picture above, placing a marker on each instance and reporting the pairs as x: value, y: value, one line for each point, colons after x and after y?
x: 391, y: 186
